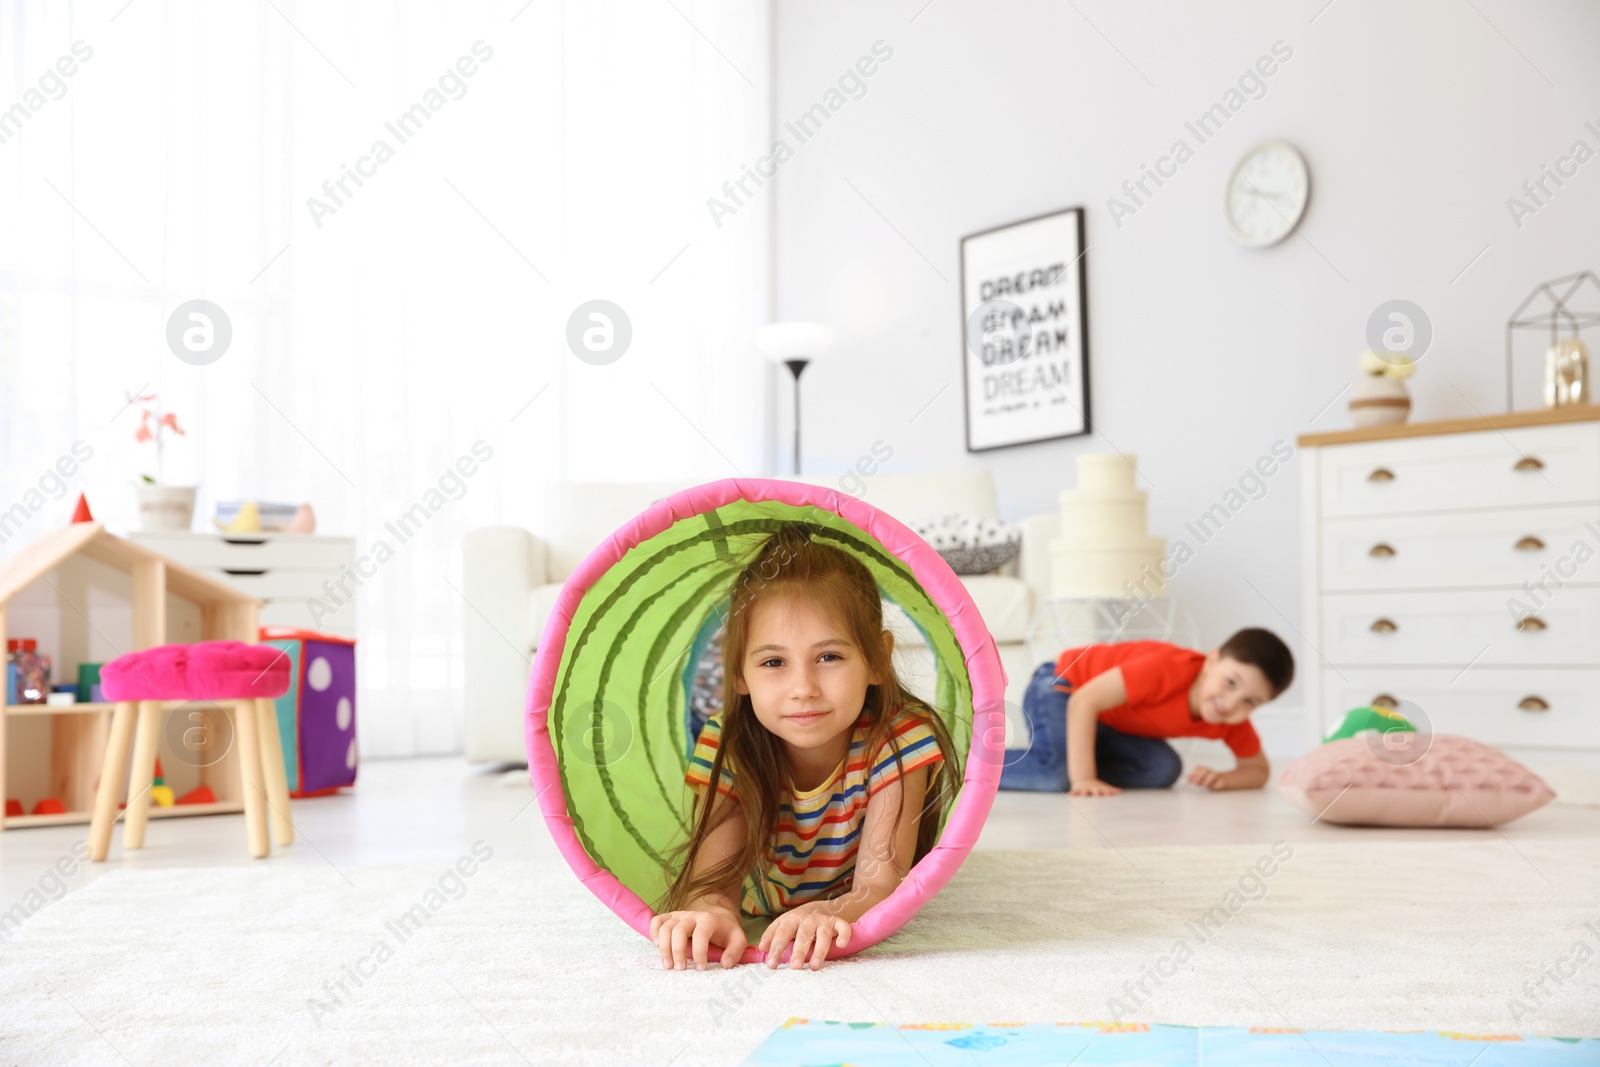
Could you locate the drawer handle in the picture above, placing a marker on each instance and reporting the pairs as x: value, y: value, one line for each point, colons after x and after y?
x: 1384, y: 700
x: 1529, y: 543
x: 243, y: 572
x: 1528, y: 463
x: 245, y: 540
x: 1383, y: 626
x: 1532, y: 622
x: 1533, y: 704
x: 1381, y: 474
x: 1381, y: 549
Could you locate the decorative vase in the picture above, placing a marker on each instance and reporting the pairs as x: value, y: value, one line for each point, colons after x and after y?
x: 166, y: 507
x: 1379, y: 400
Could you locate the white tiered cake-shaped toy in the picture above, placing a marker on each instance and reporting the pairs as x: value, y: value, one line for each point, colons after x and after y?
x: 1105, y: 542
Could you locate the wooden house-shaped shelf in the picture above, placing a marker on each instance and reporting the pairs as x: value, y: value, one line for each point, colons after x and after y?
x: 89, y: 596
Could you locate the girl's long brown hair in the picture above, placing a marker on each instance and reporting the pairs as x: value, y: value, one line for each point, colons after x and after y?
x: 791, y: 563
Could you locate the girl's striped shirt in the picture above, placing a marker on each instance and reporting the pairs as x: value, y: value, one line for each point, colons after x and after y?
x: 813, y: 854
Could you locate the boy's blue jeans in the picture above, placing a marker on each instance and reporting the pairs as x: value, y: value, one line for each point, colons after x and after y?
x: 1123, y: 760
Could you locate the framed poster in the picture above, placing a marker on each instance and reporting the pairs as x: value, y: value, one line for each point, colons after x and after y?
x: 1024, y: 332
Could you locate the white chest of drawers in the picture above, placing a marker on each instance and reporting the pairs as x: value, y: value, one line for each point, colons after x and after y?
x: 304, y: 580
x: 1453, y: 569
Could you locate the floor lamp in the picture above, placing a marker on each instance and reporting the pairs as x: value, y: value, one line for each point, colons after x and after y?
x: 793, y: 344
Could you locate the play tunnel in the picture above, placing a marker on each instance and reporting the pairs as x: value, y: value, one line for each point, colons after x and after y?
x: 610, y: 720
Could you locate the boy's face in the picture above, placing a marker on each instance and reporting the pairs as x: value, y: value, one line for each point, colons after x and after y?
x: 798, y: 661
x: 1227, y: 691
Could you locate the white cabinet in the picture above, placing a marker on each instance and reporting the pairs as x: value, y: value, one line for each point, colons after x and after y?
x: 1460, y: 626
x: 304, y: 580
x: 1484, y: 547
x: 1454, y: 567
x: 1451, y: 472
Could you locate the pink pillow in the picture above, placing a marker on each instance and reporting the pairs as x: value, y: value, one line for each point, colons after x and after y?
x: 1413, y: 779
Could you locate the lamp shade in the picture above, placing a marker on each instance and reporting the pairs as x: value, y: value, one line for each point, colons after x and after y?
x: 794, y: 340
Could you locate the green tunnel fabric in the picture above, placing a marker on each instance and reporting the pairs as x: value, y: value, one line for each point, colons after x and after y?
x: 619, y: 713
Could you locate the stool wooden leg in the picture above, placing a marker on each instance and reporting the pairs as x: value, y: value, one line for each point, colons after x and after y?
x: 248, y: 738
x: 272, y: 768
x: 143, y: 775
x: 105, y: 798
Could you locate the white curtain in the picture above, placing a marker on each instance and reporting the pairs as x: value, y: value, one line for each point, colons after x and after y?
x: 539, y: 155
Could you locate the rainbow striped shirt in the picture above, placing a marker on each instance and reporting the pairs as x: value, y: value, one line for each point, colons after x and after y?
x: 813, y: 854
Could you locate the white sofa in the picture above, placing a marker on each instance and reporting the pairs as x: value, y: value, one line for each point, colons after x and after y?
x: 512, y: 577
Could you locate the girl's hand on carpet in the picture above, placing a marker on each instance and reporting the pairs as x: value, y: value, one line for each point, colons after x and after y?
x: 685, y: 936
x: 813, y: 931
x: 1093, y: 787
x: 1210, y: 779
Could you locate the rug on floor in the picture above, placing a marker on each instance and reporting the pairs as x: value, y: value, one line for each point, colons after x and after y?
x: 477, y: 959
x: 798, y: 1042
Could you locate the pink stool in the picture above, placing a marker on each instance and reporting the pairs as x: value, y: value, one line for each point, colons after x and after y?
x: 231, y: 673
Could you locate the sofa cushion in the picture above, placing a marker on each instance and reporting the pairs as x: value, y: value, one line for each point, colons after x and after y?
x: 541, y: 602
x: 971, y: 544
x: 918, y: 495
x: 1003, y: 602
x: 573, y: 517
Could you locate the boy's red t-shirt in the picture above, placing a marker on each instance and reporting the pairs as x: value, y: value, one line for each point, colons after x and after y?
x: 1157, y: 676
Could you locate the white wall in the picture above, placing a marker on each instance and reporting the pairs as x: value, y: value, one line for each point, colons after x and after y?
x: 1418, y: 121
x: 408, y: 353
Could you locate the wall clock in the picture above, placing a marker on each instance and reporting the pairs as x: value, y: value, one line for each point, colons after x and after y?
x: 1266, y: 194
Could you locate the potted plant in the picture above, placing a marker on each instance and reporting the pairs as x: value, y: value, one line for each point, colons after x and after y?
x: 1380, y: 396
x: 161, y: 506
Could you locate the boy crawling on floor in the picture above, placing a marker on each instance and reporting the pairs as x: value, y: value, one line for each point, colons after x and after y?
x: 1098, y: 716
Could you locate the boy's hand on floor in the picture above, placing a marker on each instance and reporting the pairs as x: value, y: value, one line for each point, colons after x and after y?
x: 685, y: 936
x: 813, y: 931
x: 1093, y: 787
x: 1210, y: 779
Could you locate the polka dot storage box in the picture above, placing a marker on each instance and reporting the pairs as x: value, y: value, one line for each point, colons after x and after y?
x: 317, y: 716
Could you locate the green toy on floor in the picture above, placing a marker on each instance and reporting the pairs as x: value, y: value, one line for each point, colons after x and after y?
x: 1377, y: 717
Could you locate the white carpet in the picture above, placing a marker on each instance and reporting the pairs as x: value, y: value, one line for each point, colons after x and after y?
x: 222, y: 965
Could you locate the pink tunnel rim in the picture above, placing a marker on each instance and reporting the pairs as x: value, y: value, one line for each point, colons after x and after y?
x: 984, y: 671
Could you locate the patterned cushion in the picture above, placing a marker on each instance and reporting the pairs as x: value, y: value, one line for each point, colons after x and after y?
x: 971, y: 545
x: 1413, y: 779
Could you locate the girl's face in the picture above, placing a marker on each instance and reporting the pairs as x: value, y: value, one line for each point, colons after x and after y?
x: 806, y: 679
